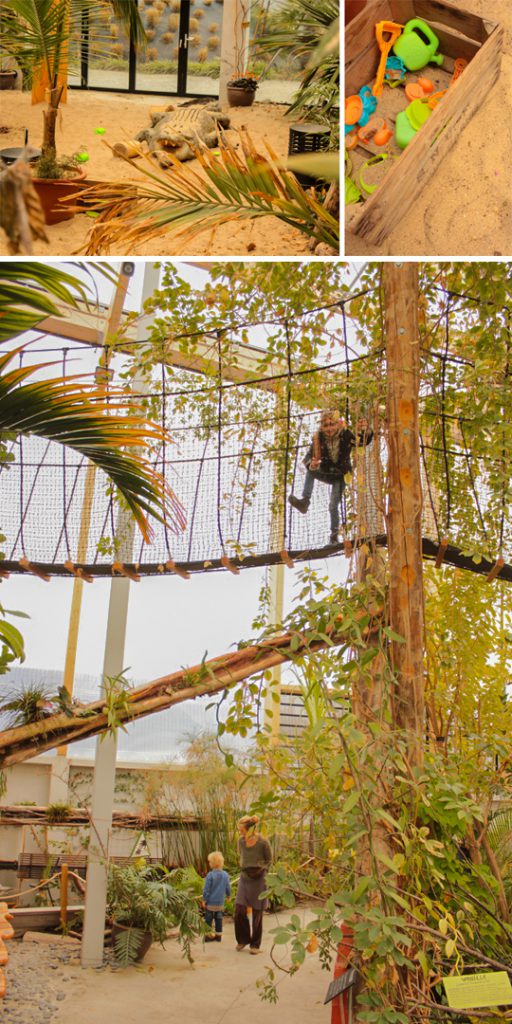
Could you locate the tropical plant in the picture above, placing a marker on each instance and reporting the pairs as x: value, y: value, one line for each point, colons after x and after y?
x: 232, y: 187
x: 143, y: 899
x: 39, y: 34
x: 304, y: 29
x: 72, y: 411
x: 69, y: 411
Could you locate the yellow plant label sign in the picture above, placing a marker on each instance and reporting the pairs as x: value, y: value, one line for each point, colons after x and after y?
x: 473, y: 991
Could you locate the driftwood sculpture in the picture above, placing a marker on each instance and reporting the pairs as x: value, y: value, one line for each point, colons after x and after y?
x: 21, y: 216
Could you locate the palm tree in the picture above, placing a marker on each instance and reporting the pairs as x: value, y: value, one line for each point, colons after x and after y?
x: 39, y: 33
x: 70, y: 411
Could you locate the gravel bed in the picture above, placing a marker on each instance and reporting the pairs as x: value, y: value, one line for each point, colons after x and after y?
x: 39, y: 977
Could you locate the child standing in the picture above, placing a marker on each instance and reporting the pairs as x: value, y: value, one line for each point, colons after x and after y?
x: 328, y: 460
x: 215, y: 890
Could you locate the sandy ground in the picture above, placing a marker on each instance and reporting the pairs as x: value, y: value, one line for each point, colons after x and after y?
x: 218, y: 988
x: 468, y: 209
x: 123, y: 117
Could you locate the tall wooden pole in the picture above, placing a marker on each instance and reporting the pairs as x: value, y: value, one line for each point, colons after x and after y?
x: 405, y: 500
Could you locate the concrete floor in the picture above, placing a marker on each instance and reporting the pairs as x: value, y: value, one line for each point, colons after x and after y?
x: 218, y: 988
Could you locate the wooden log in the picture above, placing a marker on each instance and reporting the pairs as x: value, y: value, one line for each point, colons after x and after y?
x: 443, y: 544
x: 285, y: 557
x: 496, y: 569
x: 228, y: 564
x: 172, y: 567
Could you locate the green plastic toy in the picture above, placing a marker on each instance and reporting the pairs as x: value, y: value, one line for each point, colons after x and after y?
x: 417, y: 45
x: 100, y: 131
x: 410, y: 120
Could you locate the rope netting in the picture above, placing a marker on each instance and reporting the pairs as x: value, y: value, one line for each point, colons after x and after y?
x: 237, y: 453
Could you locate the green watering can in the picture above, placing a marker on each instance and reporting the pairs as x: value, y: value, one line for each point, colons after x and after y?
x: 417, y: 45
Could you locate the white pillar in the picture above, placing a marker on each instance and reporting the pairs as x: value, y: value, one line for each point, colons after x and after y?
x: 106, y: 746
x: 275, y: 617
x: 235, y: 43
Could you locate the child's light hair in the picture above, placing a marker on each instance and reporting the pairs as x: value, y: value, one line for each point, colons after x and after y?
x: 215, y: 859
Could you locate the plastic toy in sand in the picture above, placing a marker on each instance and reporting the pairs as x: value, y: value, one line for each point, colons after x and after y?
x: 458, y: 68
x: 418, y: 90
x: 395, y: 72
x: 352, y: 193
x: 358, y: 109
x: 379, y: 158
x: 376, y: 130
x: 418, y: 45
x: 410, y: 120
x: 392, y: 30
x: 99, y: 131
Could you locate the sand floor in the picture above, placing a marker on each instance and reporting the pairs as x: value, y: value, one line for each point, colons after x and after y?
x: 218, y: 988
x: 467, y: 210
x: 122, y: 117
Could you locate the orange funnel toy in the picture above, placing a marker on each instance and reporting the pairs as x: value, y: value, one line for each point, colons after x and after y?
x: 394, y: 30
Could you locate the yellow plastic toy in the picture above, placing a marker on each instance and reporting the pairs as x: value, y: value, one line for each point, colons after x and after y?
x: 394, y: 30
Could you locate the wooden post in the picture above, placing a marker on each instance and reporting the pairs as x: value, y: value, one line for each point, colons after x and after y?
x: 64, y: 895
x: 405, y: 500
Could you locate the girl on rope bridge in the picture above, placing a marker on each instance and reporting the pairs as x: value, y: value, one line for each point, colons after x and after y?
x: 328, y: 460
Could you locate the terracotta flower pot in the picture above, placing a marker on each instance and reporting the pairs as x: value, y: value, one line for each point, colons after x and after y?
x: 239, y: 97
x: 52, y: 190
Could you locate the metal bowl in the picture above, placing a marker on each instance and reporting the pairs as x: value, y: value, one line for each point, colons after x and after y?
x: 13, y: 153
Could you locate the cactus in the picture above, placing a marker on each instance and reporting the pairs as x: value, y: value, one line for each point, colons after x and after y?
x: 173, y: 22
x: 213, y: 43
x: 213, y: 28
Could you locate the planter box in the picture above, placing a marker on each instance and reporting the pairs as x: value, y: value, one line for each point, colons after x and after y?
x: 460, y: 34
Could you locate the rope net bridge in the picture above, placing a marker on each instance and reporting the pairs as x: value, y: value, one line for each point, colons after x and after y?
x: 237, y: 454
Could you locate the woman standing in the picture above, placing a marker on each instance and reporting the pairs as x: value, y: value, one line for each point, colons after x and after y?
x: 255, y: 860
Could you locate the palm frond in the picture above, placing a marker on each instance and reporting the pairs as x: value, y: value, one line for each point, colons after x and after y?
x: 30, y: 291
x: 233, y: 186
x: 78, y: 415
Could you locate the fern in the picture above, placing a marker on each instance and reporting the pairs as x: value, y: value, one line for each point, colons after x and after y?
x: 127, y: 944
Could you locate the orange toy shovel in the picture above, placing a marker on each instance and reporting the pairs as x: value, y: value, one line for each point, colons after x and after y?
x: 385, y: 45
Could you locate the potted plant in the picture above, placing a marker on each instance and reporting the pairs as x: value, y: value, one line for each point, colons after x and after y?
x: 37, y: 34
x: 242, y: 90
x: 143, y: 905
